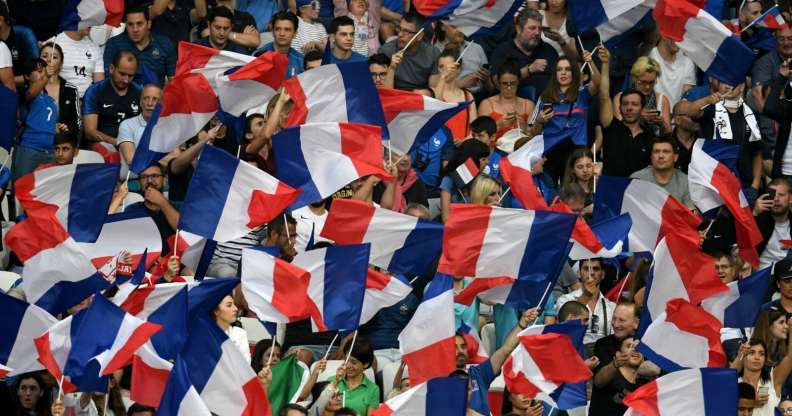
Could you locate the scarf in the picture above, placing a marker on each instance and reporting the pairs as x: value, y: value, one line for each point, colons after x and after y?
x: 723, y: 125
x: 399, y: 200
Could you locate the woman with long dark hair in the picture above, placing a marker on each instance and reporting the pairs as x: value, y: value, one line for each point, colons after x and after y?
x: 756, y: 369
x: 31, y: 397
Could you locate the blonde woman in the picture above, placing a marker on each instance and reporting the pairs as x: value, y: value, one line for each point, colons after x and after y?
x: 657, y: 111
x: 485, y: 190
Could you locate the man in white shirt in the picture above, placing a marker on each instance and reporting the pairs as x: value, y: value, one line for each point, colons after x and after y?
x: 591, y: 273
x: 310, y: 222
x: 772, y: 217
x: 82, y: 59
x: 131, y: 130
x: 6, y: 67
x: 677, y: 71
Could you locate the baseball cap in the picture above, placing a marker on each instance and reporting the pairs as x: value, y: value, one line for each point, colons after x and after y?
x: 783, y: 269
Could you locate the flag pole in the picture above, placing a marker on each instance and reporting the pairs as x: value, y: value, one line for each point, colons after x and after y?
x: 504, y: 194
x: 286, y: 226
x: 463, y: 52
x: 412, y: 39
x: 60, y: 388
x: 107, y: 398
x: 176, y: 244
x: 272, y: 352
x: 330, y: 346
x: 594, y: 153
x: 352, y: 345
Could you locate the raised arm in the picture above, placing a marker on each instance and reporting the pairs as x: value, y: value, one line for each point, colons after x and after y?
x: 606, y: 106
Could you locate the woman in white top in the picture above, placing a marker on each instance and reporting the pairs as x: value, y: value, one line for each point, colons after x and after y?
x: 554, y: 31
x: 756, y: 370
x: 225, y: 314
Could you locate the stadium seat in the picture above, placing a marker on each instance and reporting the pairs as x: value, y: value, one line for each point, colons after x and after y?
x: 255, y: 330
x: 488, y: 337
x: 7, y: 280
x: 88, y: 156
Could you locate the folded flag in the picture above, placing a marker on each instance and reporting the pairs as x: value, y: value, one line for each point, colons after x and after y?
x: 653, y: 212
x: 713, y: 183
x: 477, y: 353
x: 617, y: 29
x: 57, y: 274
x: 82, y: 14
x: 20, y: 323
x: 131, y: 231
x: 382, y: 290
x: 274, y: 289
x: 485, y: 241
x: 605, y: 239
x: 228, y: 198
x: 188, y: 103
x: 445, y: 396
x: 682, y: 271
x: 253, y: 84
x: 516, y: 172
x: 77, y: 195
x: 710, y: 45
x: 289, y: 376
x: 163, y: 304
x: 337, y: 93
x: 150, y: 374
x: 210, y: 62
x: 322, y: 158
x: 91, y: 344
x: 427, y: 341
x: 683, y: 336
x: 771, y: 19
x: 413, y: 118
x: 400, y: 243
x: 740, y: 305
x: 8, y: 115
x: 210, y: 366
x: 703, y: 391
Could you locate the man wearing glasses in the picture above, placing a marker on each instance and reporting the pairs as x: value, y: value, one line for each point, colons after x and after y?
x: 164, y: 214
x: 601, y: 309
x: 417, y: 65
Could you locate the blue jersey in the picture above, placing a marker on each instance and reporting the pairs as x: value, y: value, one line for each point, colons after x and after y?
x: 40, y: 116
x: 428, y: 157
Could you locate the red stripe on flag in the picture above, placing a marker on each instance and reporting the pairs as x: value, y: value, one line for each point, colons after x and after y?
x: 265, y: 207
x: 582, y: 233
x: 696, y: 269
x: 395, y: 102
x: 678, y: 219
x: 139, y: 336
x: 46, y: 359
x: 377, y: 280
x: 522, y: 185
x: 115, y: 12
x: 463, y: 239
x: 362, y: 143
x: 268, y: 69
x: 434, y: 360
x: 545, y: 350
x: 136, y: 301
x: 299, y: 109
x: 34, y: 235
x: 148, y: 383
x: 192, y: 56
x: 256, y: 396
x: 476, y: 286
x: 644, y: 400
x: 290, y: 288
x: 383, y: 410
x: 672, y: 15
x: 697, y: 321
x: 748, y: 234
x: 348, y: 221
x: 188, y: 94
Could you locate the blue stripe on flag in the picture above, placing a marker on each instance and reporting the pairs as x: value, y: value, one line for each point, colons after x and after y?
x: 546, y: 245
x: 173, y: 317
x: 8, y: 114
x: 202, y: 351
x: 91, y: 191
x: 13, y: 313
x: 720, y: 390
x: 362, y: 98
x: 291, y: 167
x: 64, y: 294
x: 345, y: 273
x: 732, y: 61
x: 421, y: 248
x: 587, y: 14
x: 144, y: 157
x: 744, y: 311
x: 446, y: 396
x: 206, y: 196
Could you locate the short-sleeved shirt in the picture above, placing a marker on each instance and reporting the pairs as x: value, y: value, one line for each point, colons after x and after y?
x: 81, y: 59
x: 307, y: 32
x: 428, y: 158
x: 159, y: 218
x: 361, y: 398
x: 5, y: 56
x: 677, y: 186
x: 473, y: 60
x: 40, y: 116
x: 481, y: 376
x: 130, y: 130
x: 623, y: 154
x: 158, y: 57
x: 101, y: 99
x: 415, y: 69
x: 509, y: 50
x: 295, y: 66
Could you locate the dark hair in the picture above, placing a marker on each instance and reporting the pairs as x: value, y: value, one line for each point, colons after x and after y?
x: 631, y: 91
x: 124, y: 53
x: 572, y: 307
x: 413, y: 17
x: 509, y: 67
x: 157, y: 165
x: 362, y: 350
x: 137, y: 407
x: 219, y: 11
x: 639, y: 276
x: 720, y: 254
x: 484, y: 124
x: 44, y: 401
x: 591, y: 259
x: 65, y: 137
x: 249, y: 121
x: 312, y: 55
x: 285, y: 15
x: 379, y: 59
x: 764, y: 374
x: 32, y: 65
x: 774, y: 348
x: 665, y: 140
x: 278, y: 225
x: 137, y: 9
x: 552, y: 93
x: 340, y: 21
x: 258, y: 360
x: 527, y: 13
x: 781, y: 181
x: 55, y: 46
x: 345, y: 411
x: 572, y: 191
x: 469, y: 149
x: 569, y: 173
x: 449, y: 52
x: 746, y: 391
x: 293, y: 406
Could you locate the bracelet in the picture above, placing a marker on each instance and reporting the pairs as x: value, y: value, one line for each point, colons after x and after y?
x: 521, y: 327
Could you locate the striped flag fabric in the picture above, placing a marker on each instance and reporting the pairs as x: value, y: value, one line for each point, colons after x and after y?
x: 703, y: 391
x: 82, y: 14
x: 465, y: 173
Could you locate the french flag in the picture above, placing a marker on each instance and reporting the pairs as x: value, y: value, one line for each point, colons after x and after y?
x: 109, y: 153
x: 702, y: 391
x: 77, y: 195
x: 617, y: 29
x: 211, y: 371
x: 438, y: 396
x: 210, y: 62
x: 465, y: 173
x: 382, y: 290
x: 228, y: 198
x: 188, y: 103
x: 474, y: 18
x: 150, y: 374
x: 517, y: 293
x: 5, y: 371
x: 589, y: 14
x: 413, y: 118
x: 654, y: 213
x: 772, y: 19
x: 516, y: 171
x: 20, y: 323
x: 342, y: 93
x: 130, y: 231
x: 163, y: 304
x: 485, y: 241
x: 57, y: 274
x: 683, y: 336
x: 427, y: 342
x: 82, y: 14
x: 400, y: 243
x: 740, y: 306
x: 322, y: 158
x: 477, y: 353
x: 682, y: 271
x: 605, y: 239
x: 86, y: 347
x: 252, y: 84
x: 703, y: 38
x: 713, y: 183
x: 194, y: 251
x: 275, y: 289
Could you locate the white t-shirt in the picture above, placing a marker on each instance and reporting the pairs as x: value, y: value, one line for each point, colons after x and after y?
x: 5, y: 56
x: 81, y: 59
x: 240, y: 339
x: 674, y: 76
x: 600, y: 318
x: 308, y: 222
x: 774, y: 252
x: 307, y: 32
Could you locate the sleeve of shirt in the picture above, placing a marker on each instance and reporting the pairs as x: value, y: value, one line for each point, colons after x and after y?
x: 125, y: 133
x: 90, y: 100
x: 99, y: 68
x: 31, y: 44
x: 484, y: 374
x: 5, y: 56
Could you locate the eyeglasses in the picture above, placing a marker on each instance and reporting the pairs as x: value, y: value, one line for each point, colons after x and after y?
x: 786, y: 411
x: 150, y: 177
x: 379, y: 74
x: 645, y: 82
x: 407, y: 31
x: 508, y: 83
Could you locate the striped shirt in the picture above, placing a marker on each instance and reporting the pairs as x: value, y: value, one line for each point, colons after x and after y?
x: 81, y: 59
x: 361, y: 44
x: 307, y: 32
x: 231, y: 251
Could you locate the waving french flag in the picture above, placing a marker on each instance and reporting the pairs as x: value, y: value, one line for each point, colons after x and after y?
x: 150, y: 374
x: 702, y: 391
x: 427, y: 342
x: 477, y: 353
x: 130, y: 231
x: 517, y: 293
x: 166, y: 305
x: 228, y: 198
x: 84, y: 348
x: 252, y: 84
x: 465, y: 173
x: 275, y: 290
x: 382, y: 290
x: 77, y: 195
x: 604, y: 239
x: 740, y: 306
x: 211, y: 371
x: 589, y: 14
x: 400, y: 243
x: 338, y: 93
x: 438, y: 396
x: 654, y: 213
x: 194, y: 251
x: 322, y: 158
x: 413, y: 118
x: 516, y: 171
x: 337, y: 285
x: 20, y: 323
x: 472, y: 17
x: 82, y: 14
x: 188, y: 103
x: 771, y: 19
x: 210, y: 62
x: 703, y: 38
x: 713, y: 183
x: 617, y: 29
x: 485, y: 241
x: 683, y: 336
x: 682, y: 271
x: 57, y: 274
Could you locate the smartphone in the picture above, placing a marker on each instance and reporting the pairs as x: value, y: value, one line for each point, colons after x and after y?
x: 763, y: 390
x: 486, y: 66
x: 547, y: 106
x: 771, y: 193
